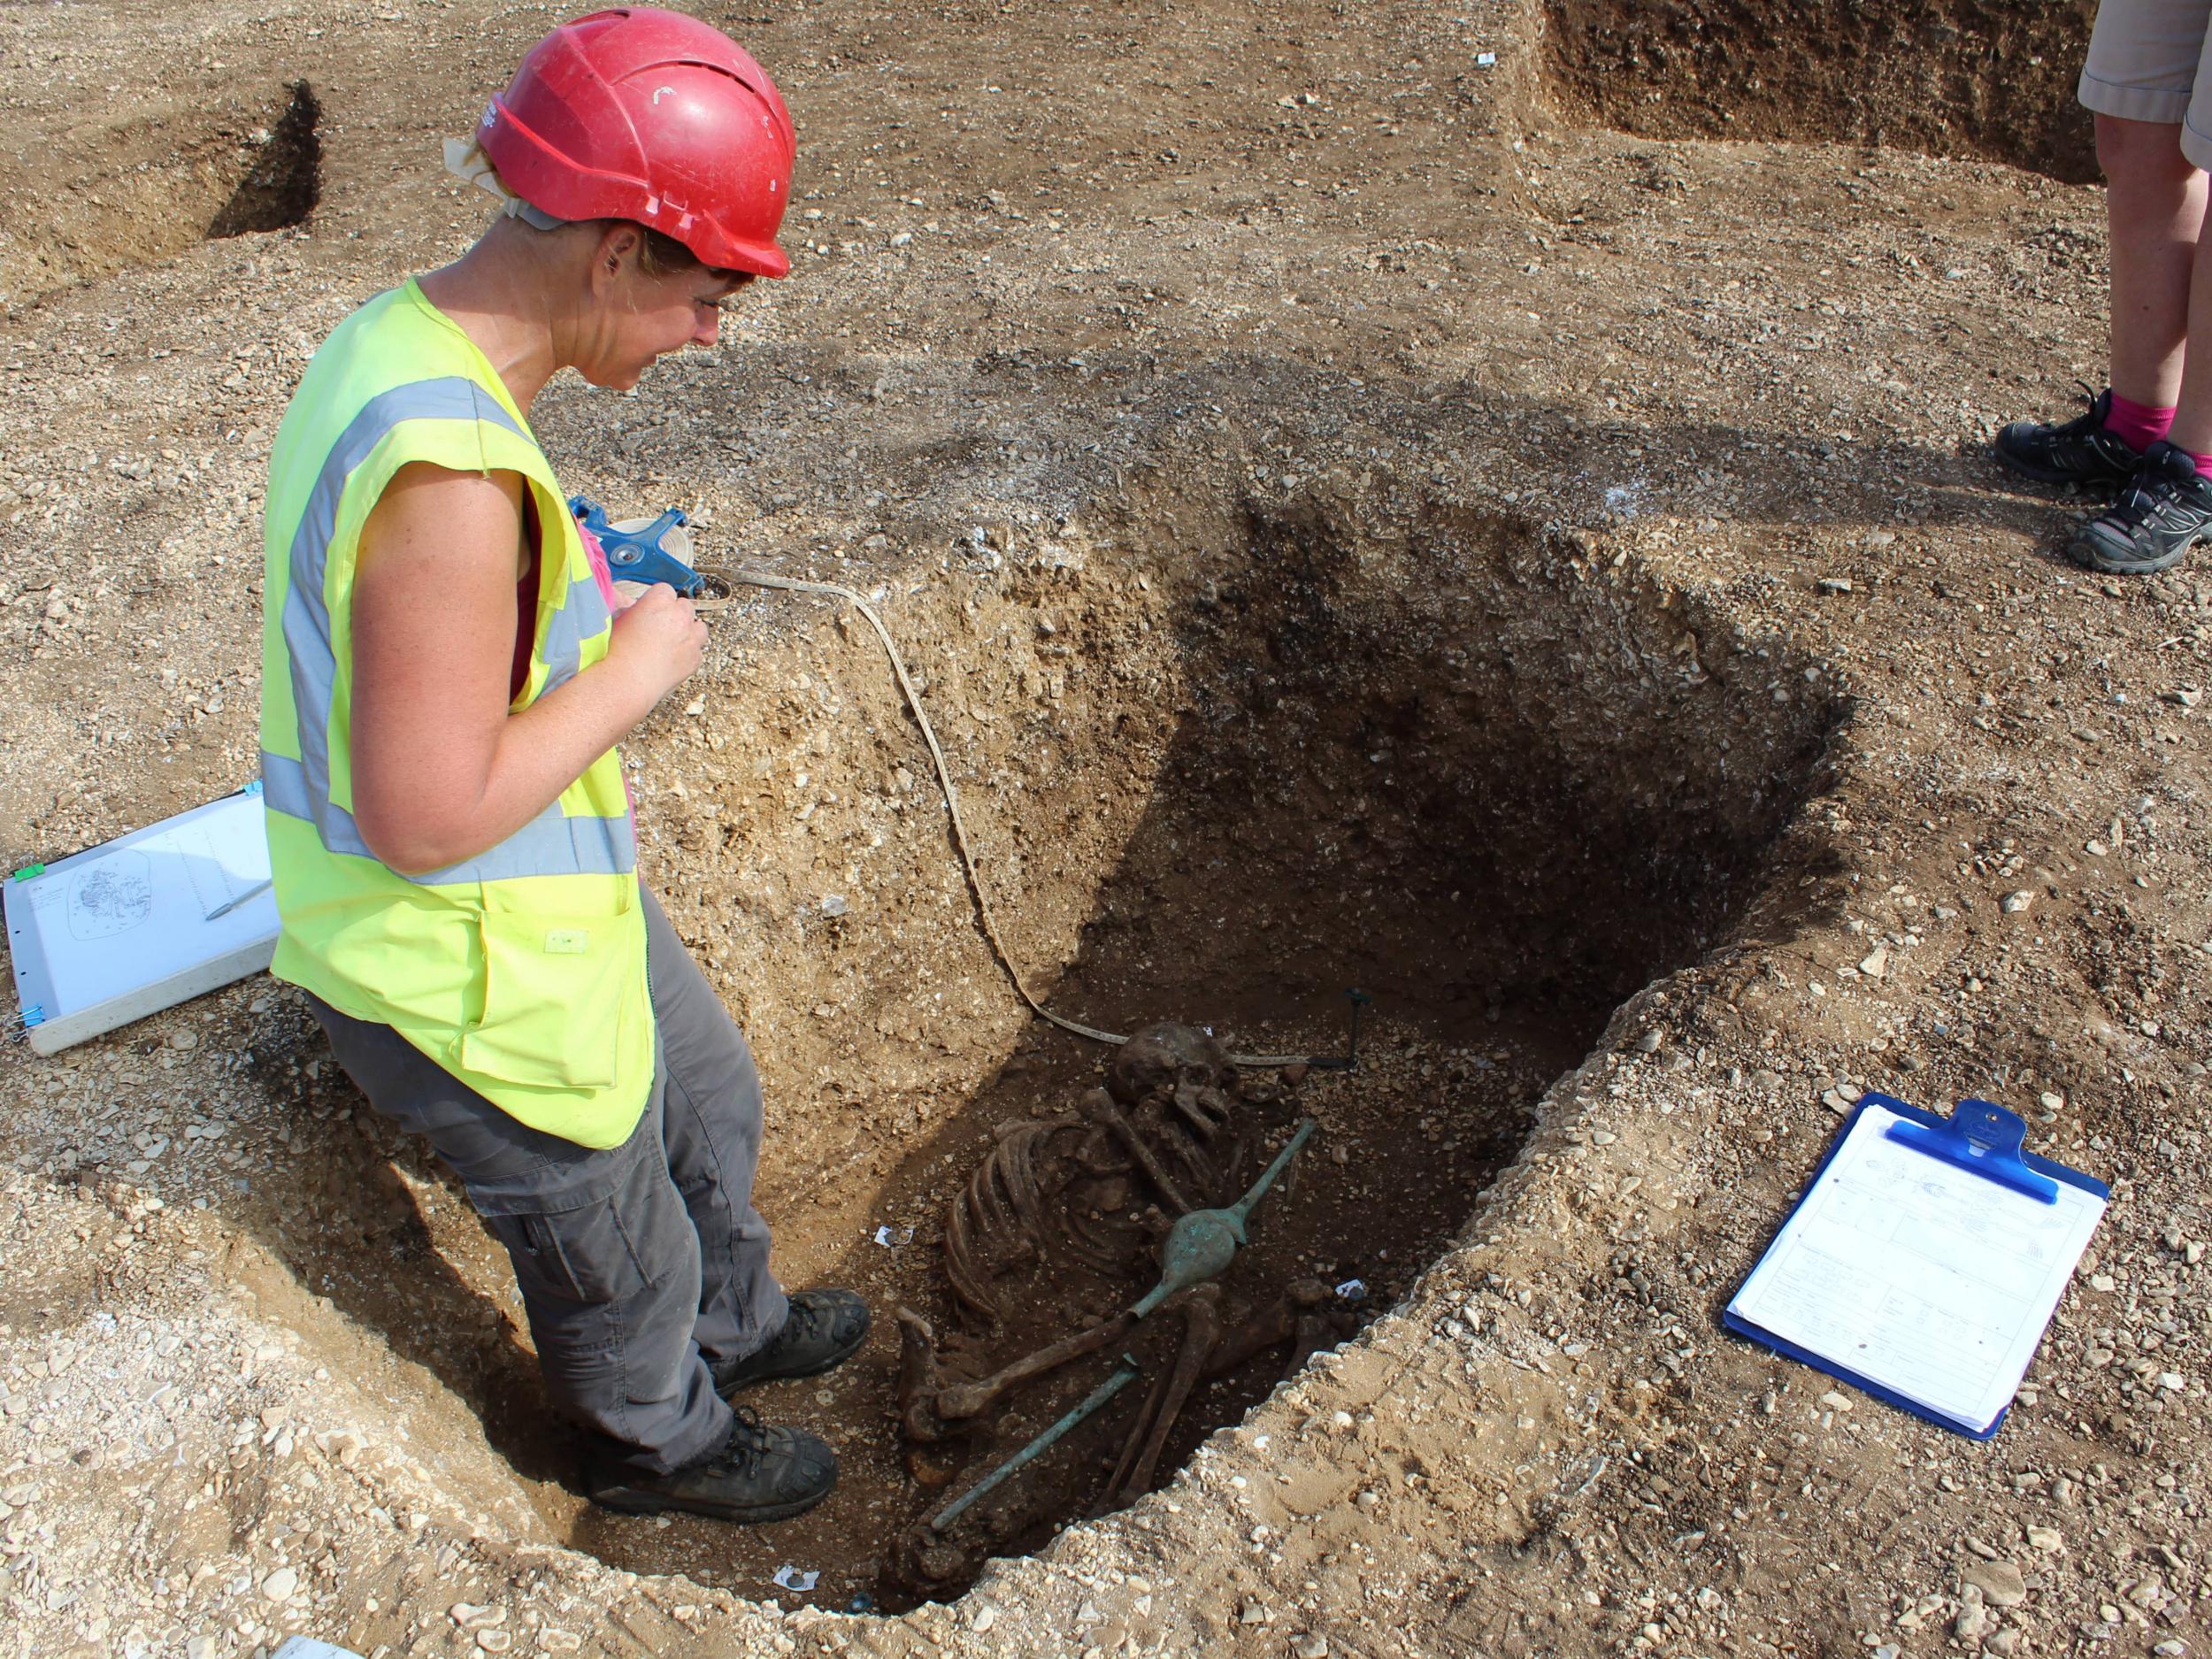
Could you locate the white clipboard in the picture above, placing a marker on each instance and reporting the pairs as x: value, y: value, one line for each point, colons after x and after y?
x: 124, y: 930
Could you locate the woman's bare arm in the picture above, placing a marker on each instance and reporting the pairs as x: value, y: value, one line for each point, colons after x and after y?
x: 441, y: 771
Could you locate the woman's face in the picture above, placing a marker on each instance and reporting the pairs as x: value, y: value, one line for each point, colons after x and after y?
x: 638, y: 318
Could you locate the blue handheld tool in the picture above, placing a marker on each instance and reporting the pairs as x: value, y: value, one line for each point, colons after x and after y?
x: 636, y: 555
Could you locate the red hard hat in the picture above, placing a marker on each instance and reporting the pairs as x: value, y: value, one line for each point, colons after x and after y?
x: 649, y: 115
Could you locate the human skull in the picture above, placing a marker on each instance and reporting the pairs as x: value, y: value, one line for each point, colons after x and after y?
x: 1182, y: 1063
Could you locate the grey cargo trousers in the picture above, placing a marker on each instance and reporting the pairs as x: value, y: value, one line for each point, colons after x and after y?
x: 643, y: 1267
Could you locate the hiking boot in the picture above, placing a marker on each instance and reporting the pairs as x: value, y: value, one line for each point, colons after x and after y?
x: 2083, y: 451
x: 758, y: 1474
x: 2165, y: 511
x: 824, y: 1329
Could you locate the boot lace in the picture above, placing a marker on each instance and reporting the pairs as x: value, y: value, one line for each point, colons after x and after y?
x: 747, y: 1443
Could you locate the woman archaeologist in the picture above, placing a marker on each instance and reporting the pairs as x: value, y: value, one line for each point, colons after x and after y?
x: 446, y: 670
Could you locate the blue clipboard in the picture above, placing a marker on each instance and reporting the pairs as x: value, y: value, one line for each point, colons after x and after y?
x: 1980, y: 1136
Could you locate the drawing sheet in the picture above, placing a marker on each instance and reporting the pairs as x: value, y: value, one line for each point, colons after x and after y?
x: 103, y: 927
x: 1920, y: 1275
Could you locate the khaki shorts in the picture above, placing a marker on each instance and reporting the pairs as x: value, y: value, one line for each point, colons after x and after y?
x: 2150, y: 60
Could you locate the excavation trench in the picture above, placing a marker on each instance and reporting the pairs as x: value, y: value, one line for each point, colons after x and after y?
x: 1417, y: 751
x: 142, y: 188
x: 1976, y: 77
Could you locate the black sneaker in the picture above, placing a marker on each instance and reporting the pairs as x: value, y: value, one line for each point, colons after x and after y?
x: 759, y: 1474
x: 824, y: 1329
x: 2165, y: 511
x: 2084, y: 451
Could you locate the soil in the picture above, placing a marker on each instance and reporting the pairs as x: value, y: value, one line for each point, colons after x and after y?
x: 1369, y: 505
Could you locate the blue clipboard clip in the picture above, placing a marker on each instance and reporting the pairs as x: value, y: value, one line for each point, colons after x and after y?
x: 1985, y: 1139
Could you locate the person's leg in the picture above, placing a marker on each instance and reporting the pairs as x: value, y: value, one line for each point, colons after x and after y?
x: 2154, y: 199
x: 747, y: 1329
x: 2192, y: 429
x: 2143, y: 60
x: 602, y: 1250
x: 712, y: 1122
x: 2167, y: 506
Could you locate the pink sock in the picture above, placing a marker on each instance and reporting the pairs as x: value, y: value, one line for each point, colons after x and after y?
x: 2204, y: 464
x: 2138, y: 426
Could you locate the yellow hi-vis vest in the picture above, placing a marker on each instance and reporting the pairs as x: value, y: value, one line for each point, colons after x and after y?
x: 521, y: 970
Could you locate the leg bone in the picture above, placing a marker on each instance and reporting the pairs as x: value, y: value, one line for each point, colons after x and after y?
x: 1202, y: 1329
x: 964, y: 1401
x: 917, y: 1381
x: 1313, y: 1334
x: 1272, y: 1326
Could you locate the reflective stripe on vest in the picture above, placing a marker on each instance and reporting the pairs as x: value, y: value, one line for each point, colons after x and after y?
x: 553, y: 843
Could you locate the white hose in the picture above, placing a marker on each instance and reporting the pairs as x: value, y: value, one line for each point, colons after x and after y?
x: 786, y: 584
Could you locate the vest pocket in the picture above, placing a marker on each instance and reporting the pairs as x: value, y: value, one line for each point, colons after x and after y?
x: 556, y: 995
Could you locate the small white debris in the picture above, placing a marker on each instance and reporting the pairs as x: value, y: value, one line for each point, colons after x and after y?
x: 835, y: 905
x: 891, y: 1238
x: 1353, y: 1290
x: 789, y: 1577
x: 2012, y: 904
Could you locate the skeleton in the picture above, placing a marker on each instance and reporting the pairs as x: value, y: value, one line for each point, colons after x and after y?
x: 1167, y: 1115
x: 1153, y: 1159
